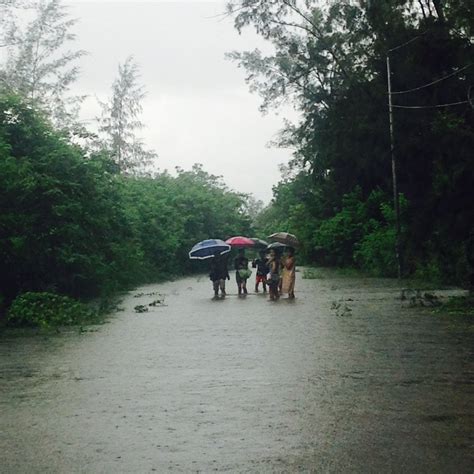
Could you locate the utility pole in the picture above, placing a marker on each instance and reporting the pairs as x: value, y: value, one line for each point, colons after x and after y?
x: 396, y: 197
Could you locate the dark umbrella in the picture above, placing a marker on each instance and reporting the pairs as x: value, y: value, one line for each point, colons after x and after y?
x: 259, y: 243
x: 208, y: 249
x: 276, y: 246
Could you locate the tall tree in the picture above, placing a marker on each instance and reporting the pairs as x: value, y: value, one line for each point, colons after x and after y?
x: 9, y: 10
x: 330, y: 61
x: 120, y: 121
x: 39, y: 64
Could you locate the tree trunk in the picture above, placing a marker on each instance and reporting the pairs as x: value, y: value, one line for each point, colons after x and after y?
x: 438, y: 4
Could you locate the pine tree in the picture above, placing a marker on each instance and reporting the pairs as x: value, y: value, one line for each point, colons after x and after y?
x: 7, y: 30
x: 120, y: 121
x: 39, y: 66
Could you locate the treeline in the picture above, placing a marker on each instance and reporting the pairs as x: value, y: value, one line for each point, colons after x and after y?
x: 84, y: 210
x: 330, y: 61
x: 71, y: 224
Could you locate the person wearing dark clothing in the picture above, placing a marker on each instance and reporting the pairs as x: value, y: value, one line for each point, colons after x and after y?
x: 262, y: 270
x: 242, y: 272
x: 274, y: 263
x: 219, y: 273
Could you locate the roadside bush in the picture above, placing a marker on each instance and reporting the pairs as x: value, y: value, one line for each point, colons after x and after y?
x: 448, y: 267
x: 376, y: 252
x: 337, y: 235
x: 48, y: 310
x: 429, y: 271
x: 310, y: 273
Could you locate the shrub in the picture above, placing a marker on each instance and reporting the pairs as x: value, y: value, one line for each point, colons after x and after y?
x: 376, y: 252
x: 335, y: 238
x: 45, y: 309
x: 311, y: 274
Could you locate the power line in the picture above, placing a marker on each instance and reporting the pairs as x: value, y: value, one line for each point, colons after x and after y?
x: 407, y: 42
x: 429, y: 106
x: 433, y: 82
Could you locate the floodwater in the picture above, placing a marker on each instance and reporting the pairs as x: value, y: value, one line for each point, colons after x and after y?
x: 346, y: 378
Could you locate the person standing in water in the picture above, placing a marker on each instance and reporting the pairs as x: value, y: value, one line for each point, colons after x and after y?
x: 242, y: 272
x: 262, y: 270
x: 289, y: 274
x: 219, y: 273
x: 274, y: 266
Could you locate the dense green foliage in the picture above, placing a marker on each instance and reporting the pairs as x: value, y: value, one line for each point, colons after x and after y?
x: 48, y: 309
x: 330, y: 61
x: 71, y: 224
x: 86, y: 221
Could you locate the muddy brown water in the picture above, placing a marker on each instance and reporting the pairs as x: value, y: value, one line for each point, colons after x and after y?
x: 344, y: 379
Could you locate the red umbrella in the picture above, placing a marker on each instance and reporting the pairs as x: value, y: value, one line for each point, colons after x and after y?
x: 240, y: 242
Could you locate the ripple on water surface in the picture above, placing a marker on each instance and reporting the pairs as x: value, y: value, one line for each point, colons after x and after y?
x: 346, y: 378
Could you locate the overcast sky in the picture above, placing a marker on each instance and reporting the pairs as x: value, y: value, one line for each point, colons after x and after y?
x: 198, y: 107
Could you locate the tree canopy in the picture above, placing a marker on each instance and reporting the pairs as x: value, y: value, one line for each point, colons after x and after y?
x: 70, y: 223
x: 330, y: 61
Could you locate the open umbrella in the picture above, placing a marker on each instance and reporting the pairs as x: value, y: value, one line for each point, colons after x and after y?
x: 208, y: 249
x: 285, y: 238
x: 240, y: 242
x: 276, y: 246
x: 260, y: 243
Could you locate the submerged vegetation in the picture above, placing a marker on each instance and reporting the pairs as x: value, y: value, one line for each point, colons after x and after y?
x: 45, y: 310
x: 457, y: 306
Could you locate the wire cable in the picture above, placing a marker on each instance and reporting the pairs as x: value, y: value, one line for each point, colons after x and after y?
x: 429, y: 106
x: 433, y: 82
x: 407, y: 42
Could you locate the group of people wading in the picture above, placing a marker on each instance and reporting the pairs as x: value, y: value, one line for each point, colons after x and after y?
x: 273, y: 270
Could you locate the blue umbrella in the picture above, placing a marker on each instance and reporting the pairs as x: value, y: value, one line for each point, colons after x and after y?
x: 208, y: 249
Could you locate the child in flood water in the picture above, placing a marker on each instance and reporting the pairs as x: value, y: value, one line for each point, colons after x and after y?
x: 242, y: 272
x: 262, y: 270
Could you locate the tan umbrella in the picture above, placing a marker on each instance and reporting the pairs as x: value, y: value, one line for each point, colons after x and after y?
x: 284, y: 238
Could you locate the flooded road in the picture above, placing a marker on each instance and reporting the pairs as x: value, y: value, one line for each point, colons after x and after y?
x: 343, y: 379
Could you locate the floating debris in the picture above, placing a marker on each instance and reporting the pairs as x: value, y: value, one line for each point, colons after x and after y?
x: 139, y: 295
x: 341, y: 308
x: 335, y: 305
x: 141, y: 308
x: 157, y: 303
x: 419, y: 298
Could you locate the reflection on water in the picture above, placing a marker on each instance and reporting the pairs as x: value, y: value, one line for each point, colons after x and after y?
x: 344, y: 379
